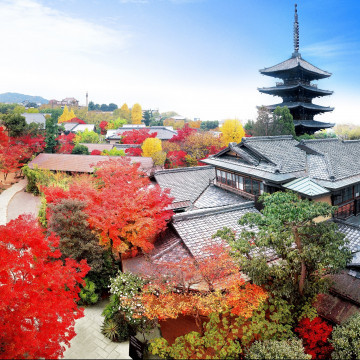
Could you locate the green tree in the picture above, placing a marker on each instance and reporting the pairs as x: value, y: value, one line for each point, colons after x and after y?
x: 136, y: 114
x: 15, y: 124
x: 51, y: 128
x: 147, y: 117
x: 306, y: 249
x: 346, y: 339
x: 80, y: 149
x: 209, y: 125
x: 91, y: 106
x: 113, y: 152
x: 87, y: 136
x: 55, y: 112
x: 282, y: 123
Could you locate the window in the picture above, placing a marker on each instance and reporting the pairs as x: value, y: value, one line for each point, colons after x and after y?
x: 247, y: 185
x: 255, y: 187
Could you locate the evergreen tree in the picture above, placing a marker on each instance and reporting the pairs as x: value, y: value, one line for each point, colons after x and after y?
x: 283, y: 123
x: 51, y: 129
x: 306, y: 250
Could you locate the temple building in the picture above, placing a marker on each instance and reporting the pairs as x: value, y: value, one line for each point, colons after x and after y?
x: 297, y: 88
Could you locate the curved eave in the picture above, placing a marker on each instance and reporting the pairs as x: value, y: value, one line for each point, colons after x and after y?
x: 312, y: 124
x: 284, y: 74
x: 313, y: 107
x: 283, y: 89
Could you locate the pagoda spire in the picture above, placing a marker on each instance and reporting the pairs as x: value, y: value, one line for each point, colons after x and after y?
x: 296, y: 33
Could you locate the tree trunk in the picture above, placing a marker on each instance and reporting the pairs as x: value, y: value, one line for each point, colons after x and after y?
x: 303, y: 266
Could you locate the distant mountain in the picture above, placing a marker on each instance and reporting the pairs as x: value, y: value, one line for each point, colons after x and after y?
x: 18, y: 98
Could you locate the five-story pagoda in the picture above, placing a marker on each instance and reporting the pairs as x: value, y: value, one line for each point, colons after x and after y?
x: 297, y: 89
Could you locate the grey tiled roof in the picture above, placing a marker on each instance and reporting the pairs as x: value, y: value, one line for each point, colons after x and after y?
x: 280, y: 150
x: 163, y: 132
x: 185, y: 183
x: 294, y: 62
x: 36, y: 118
x: 341, y: 157
x: 168, y: 248
x: 197, y: 227
x: 214, y: 196
x: 69, y: 125
x: 352, y: 233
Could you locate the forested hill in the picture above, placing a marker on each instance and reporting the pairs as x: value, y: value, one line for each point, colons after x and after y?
x: 17, y: 98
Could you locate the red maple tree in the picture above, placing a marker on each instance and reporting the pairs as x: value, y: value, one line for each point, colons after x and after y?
x: 38, y: 292
x: 4, y: 139
x: 137, y: 136
x: 183, y: 134
x: 176, y: 159
x: 133, y: 151
x: 103, y: 126
x: 66, y: 143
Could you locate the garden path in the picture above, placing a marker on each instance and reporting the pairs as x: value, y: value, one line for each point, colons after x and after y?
x: 23, y: 203
x: 90, y: 343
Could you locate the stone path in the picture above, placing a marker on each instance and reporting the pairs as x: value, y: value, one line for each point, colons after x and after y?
x: 6, y: 196
x: 89, y: 343
x: 23, y: 203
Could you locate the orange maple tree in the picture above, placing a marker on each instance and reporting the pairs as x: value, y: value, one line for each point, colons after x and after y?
x: 197, y: 288
x: 124, y: 209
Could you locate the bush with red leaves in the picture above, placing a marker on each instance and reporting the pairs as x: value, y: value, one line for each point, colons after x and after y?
x: 315, y: 334
x: 95, y: 152
x: 133, y: 152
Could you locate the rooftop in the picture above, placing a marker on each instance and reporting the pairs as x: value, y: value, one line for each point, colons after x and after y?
x: 295, y: 63
x: 185, y: 183
x: 82, y: 163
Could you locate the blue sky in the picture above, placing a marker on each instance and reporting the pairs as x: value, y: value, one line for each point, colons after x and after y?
x: 197, y: 57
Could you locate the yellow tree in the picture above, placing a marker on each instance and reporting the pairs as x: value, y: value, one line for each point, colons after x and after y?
x: 232, y: 131
x: 136, y: 114
x: 64, y: 116
x: 151, y: 146
x: 123, y: 112
x: 71, y: 114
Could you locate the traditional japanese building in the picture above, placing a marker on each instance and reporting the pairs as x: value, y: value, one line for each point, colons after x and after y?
x: 297, y: 88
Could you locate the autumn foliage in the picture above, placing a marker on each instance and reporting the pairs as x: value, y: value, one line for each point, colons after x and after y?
x: 16, y: 151
x: 95, y: 152
x: 315, y: 334
x: 38, y: 293
x: 137, y: 136
x: 198, y: 288
x: 133, y: 151
x: 128, y: 217
x: 66, y: 143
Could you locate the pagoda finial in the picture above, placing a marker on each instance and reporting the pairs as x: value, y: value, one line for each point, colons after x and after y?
x: 296, y: 32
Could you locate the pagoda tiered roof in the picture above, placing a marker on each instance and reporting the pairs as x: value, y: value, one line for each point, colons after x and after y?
x: 308, y: 106
x: 312, y: 124
x: 285, y: 90
x: 296, y: 65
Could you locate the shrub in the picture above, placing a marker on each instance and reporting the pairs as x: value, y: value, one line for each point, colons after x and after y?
x: 80, y: 149
x: 87, y: 294
x: 113, y: 152
x: 315, y: 334
x: 110, y: 329
x: 346, y: 339
x: 272, y: 349
x: 96, y: 152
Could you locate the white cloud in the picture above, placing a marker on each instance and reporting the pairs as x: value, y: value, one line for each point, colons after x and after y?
x: 51, y: 51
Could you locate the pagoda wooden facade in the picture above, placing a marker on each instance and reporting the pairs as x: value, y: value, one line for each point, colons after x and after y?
x: 297, y: 88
